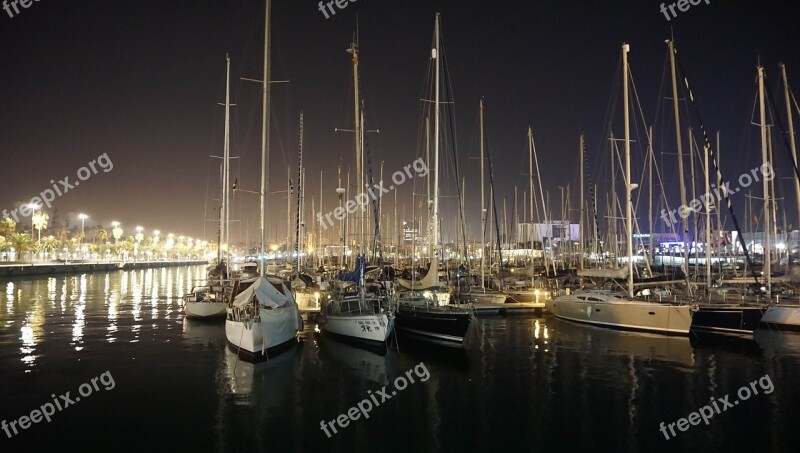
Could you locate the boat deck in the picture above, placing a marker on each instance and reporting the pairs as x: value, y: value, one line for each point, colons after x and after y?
x: 490, y: 309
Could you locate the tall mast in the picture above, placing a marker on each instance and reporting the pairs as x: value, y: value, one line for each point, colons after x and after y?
x: 791, y: 134
x: 435, y: 219
x: 226, y: 157
x: 483, y: 209
x: 765, y: 183
x: 580, y: 223
x: 264, y: 133
x: 678, y: 142
x: 532, y: 230
x: 357, y: 122
x: 628, y: 185
x: 708, y: 224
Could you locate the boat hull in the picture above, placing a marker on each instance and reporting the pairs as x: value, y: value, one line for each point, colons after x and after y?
x: 366, y: 328
x: 783, y: 317
x: 205, y: 309
x: 268, y: 336
x: 444, y: 326
x: 641, y: 316
x: 727, y: 319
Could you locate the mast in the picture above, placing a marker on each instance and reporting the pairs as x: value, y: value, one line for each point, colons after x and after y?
x: 532, y: 231
x: 299, y: 213
x: 708, y: 225
x: 678, y: 142
x: 264, y: 132
x: 435, y: 56
x: 765, y: 183
x: 580, y: 223
x: 483, y: 209
x: 628, y: 185
x: 226, y: 157
x: 357, y: 121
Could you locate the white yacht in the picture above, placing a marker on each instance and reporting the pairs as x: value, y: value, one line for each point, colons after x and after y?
x: 263, y: 318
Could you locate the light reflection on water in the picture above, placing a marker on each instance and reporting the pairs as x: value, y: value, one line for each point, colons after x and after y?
x: 49, y: 310
x: 532, y: 382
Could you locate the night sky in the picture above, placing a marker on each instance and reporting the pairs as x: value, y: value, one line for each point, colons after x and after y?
x: 141, y: 81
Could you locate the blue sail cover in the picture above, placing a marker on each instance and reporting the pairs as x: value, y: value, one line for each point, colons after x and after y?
x: 355, y: 276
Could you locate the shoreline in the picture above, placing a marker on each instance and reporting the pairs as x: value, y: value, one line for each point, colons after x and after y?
x: 55, y: 268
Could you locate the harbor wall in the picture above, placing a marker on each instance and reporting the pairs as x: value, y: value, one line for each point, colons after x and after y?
x: 38, y: 269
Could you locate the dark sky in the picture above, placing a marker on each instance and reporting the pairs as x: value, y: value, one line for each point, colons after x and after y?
x: 140, y: 81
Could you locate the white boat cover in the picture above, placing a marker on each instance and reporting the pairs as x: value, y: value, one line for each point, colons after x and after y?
x: 266, y: 294
x: 430, y: 281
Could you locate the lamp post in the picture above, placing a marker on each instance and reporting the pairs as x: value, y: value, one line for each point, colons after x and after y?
x: 139, y: 236
x: 83, y: 218
x: 33, y: 207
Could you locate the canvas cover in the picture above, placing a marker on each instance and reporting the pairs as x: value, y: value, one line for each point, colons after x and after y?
x: 266, y: 294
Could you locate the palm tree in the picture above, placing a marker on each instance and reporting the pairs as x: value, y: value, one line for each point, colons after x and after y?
x: 8, y: 226
x: 21, y: 242
x: 100, y: 235
x: 48, y: 245
x: 4, y: 246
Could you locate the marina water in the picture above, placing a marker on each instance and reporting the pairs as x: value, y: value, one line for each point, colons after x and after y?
x: 525, y: 383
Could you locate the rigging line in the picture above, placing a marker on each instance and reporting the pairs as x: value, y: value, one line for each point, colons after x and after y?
x: 784, y: 133
x: 713, y: 155
x: 452, y: 128
x: 593, y: 199
x: 494, y: 203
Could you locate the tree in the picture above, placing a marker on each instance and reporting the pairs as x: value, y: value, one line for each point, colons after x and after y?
x: 8, y: 226
x: 100, y: 235
x: 49, y: 245
x: 21, y: 242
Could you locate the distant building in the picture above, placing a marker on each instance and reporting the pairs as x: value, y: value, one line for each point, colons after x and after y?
x: 546, y: 233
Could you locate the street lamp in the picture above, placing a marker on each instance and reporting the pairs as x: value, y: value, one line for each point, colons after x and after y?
x: 116, y: 231
x: 139, y: 237
x: 83, y: 218
x: 33, y: 207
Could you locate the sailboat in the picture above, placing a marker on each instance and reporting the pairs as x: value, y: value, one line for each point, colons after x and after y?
x: 418, y: 310
x: 209, y: 300
x: 262, y: 317
x: 356, y: 315
x: 781, y: 315
x: 468, y: 293
x: 616, y: 310
x: 711, y: 316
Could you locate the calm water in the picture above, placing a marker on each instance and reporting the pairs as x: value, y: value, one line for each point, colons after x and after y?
x: 525, y: 384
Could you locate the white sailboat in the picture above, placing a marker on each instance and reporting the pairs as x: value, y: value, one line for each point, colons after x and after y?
x: 262, y: 317
x: 357, y: 316
x: 208, y: 301
x: 616, y: 310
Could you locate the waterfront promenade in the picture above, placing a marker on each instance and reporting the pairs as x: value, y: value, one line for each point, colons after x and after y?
x: 23, y: 269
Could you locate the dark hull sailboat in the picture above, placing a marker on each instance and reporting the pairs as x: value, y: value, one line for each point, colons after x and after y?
x: 727, y: 319
x: 446, y: 326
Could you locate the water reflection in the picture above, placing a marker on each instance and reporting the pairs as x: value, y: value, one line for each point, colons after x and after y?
x: 68, y: 308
